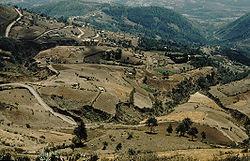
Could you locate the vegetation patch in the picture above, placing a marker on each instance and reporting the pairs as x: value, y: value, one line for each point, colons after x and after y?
x: 149, y: 90
x: 162, y: 71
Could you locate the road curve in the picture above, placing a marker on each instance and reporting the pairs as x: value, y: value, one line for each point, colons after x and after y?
x: 82, y: 33
x: 41, y: 102
x: 7, y: 31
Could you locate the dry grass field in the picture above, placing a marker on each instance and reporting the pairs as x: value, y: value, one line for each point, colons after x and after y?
x: 25, y: 125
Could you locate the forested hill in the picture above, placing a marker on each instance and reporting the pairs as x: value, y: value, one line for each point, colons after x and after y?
x: 152, y: 22
x: 238, y: 30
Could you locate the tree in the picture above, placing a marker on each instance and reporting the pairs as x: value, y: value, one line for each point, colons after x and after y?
x: 105, y: 144
x: 192, y: 131
x: 145, y: 79
x: 181, y: 129
x: 80, y: 131
x: 119, y: 146
x: 184, y: 126
x: 187, y: 123
x: 203, y: 135
x: 151, y: 122
x: 131, y: 96
x: 169, y: 129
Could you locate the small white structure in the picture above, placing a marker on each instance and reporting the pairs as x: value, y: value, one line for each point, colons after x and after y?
x: 101, y: 88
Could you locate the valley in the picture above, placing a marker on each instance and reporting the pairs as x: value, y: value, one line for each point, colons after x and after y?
x: 122, y: 90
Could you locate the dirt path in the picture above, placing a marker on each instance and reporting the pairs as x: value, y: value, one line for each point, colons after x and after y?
x: 42, y: 103
x: 82, y: 33
x: 11, y: 24
x: 46, y: 32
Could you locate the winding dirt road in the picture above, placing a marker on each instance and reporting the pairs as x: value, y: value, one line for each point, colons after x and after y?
x: 42, y: 103
x: 11, y: 24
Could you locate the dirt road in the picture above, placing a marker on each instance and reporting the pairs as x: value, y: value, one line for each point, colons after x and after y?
x: 11, y: 24
x: 82, y: 33
x: 41, y: 102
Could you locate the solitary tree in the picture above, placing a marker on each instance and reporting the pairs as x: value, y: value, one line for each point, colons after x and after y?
x: 105, y: 144
x: 119, y: 146
x: 80, y: 131
x: 169, y: 129
x: 203, y: 135
x: 192, y: 131
x: 151, y: 122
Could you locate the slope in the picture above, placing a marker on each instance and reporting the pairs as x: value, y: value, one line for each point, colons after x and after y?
x: 153, y: 22
x: 7, y: 15
x: 238, y: 30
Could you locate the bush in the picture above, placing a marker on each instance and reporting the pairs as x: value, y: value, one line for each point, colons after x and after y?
x: 119, y: 146
x: 131, y: 151
x: 130, y: 135
x: 28, y: 125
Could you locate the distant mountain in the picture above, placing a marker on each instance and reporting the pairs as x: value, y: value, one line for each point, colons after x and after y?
x: 7, y: 15
x: 205, y: 11
x: 210, y: 14
x: 236, y: 31
x: 152, y: 22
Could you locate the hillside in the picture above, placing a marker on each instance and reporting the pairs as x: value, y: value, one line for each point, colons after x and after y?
x: 153, y: 22
x: 122, y: 90
x: 7, y: 15
x: 238, y: 30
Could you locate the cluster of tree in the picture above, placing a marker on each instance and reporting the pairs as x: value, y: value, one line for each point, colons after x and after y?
x: 182, y: 91
x: 238, y: 55
x: 183, y: 127
x: 113, y: 54
x: 223, y: 74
